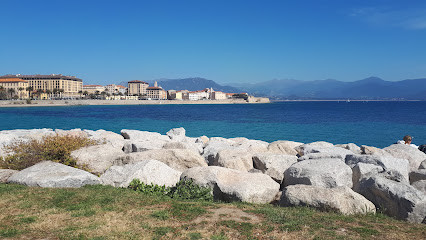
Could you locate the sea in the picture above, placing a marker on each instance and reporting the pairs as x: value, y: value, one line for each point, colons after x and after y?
x: 370, y: 123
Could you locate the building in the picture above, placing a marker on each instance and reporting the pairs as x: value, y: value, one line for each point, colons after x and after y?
x: 137, y: 87
x: 156, y: 93
x: 18, y: 85
x: 121, y: 89
x: 92, y: 89
x: 65, y: 86
x: 218, y: 95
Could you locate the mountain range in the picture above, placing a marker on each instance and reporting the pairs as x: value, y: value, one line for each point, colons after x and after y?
x: 372, y: 88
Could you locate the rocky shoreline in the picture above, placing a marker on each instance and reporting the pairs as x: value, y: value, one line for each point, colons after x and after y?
x: 345, y: 178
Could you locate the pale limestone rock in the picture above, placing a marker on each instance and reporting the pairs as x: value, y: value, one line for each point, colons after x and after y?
x: 273, y: 165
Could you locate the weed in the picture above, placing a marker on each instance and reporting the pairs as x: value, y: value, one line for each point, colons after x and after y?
x: 220, y: 236
x: 54, y: 148
x: 195, y: 236
x: 162, y: 215
x: 161, y: 231
x: 244, y: 228
x: 9, y: 232
x: 365, y: 232
x: 186, y: 212
x: 27, y: 220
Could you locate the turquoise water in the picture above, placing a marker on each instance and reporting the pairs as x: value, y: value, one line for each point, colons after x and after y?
x: 371, y: 123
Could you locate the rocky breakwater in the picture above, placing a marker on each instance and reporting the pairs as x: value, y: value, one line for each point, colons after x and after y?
x: 345, y: 178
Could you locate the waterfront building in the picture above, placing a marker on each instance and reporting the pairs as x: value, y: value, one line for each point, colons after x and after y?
x: 217, y: 95
x: 121, y: 89
x: 156, y: 92
x: 18, y: 85
x: 137, y: 87
x: 92, y: 89
x: 65, y: 86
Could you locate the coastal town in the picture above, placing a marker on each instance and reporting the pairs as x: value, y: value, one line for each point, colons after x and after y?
x: 61, y: 87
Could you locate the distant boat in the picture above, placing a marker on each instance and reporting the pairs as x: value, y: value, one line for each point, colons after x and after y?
x: 348, y: 100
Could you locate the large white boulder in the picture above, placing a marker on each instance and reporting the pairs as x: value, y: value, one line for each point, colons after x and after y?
x: 177, y: 134
x: 320, y: 155
x: 273, y: 165
x: 233, y: 185
x: 417, y: 175
x: 388, y: 163
x: 324, y: 148
x: 178, y: 159
x: 214, y: 145
x: 5, y: 174
x: 234, y: 158
x: 396, y: 199
x: 412, y: 155
x: 136, y: 135
x: 351, y: 147
x: 301, y: 149
x: 97, y: 158
x: 420, y: 185
x: 55, y: 175
x: 327, y: 173
x: 363, y: 170
x: 106, y: 137
x: 283, y: 147
x: 340, y: 199
x: 148, y: 171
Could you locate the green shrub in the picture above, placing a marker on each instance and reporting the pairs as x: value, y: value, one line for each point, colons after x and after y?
x: 184, y: 190
x: 56, y: 148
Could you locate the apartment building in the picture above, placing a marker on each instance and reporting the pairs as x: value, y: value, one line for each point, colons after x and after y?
x: 137, y: 87
x: 18, y: 85
x: 92, y: 89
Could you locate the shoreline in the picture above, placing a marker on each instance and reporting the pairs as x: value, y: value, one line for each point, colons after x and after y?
x: 86, y: 102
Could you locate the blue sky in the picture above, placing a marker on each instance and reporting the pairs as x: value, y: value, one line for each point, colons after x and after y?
x: 223, y: 40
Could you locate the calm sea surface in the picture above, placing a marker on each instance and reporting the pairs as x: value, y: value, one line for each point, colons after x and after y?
x: 370, y: 123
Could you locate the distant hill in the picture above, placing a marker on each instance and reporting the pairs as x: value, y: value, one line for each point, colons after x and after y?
x: 191, y: 84
x: 368, y: 89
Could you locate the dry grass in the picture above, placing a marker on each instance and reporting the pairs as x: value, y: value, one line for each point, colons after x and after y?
x: 100, y: 212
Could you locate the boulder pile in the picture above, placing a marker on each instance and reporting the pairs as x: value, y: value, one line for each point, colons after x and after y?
x: 345, y: 178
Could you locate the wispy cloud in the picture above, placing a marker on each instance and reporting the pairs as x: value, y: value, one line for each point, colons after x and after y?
x: 413, y: 19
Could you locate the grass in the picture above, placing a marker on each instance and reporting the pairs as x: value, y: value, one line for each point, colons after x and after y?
x: 103, y: 212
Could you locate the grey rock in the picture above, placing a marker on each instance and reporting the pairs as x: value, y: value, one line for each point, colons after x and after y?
x: 176, y: 134
x: 339, y: 199
x: 423, y: 165
x: 369, y: 150
x: 143, y: 135
x: 420, y: 185
x: 301, y: 150
x: 178, y: 159
x: 417, y: 175
x: 97, y: 158
x: 183, y: 145
x: 273, y: 165
x: 106, y: 137
x: 145, y: 145
x: 55, y: 175
x: 215, y: 145
x: 283, y: 147
x: 363, y: 170
x: 412, y: 155
x: 396, y: 199
x: 388, y: 163
x: 234, y: 158
x: 319, y: 156
x: 148, y: 171
x: 324, y: 148
x: 327, y: 173
x: 351, y: 147
x: 233, y: 185
x: 5, y: 174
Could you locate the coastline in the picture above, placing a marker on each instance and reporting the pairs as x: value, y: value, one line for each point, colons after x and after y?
x: 49, y: 103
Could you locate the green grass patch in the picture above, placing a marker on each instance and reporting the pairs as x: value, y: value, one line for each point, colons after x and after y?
x: 244, y: 228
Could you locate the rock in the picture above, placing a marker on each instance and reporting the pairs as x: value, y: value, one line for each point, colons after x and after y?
x: 423, y: 165
x: 320, y: 155
x: 215, y: 145
x: 395, y: 199
x: 5, y: 174
x: 417, y: 175
x: 143, y: 135
x: 327, y: 173
x: 273, y: 165
x: 178, y: 159
x: 233, y: 158
x: 368, y: 150
x: 283, y: 147
x: 128, y: 146
x: 176, y: 134
x: 388, y: 163
x: 363, y: 170
x: 351, y: 147
x: 71, y: 133
x: 97, y: 158
x: 234, y: 185
x: 148, y: 171
x: 249, y: 145
x: 107, y: 137
x: 339, y: 199
x: 56, y: 175
x: 204, y: 139
x: 413, y: 155
x: 183, y: 145
x: 420, y: 185
x: 301, y: 149
x: 145, y: 145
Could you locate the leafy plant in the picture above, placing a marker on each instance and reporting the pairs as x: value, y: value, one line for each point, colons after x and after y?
x: 56, y: 148
x: 184, y: 190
